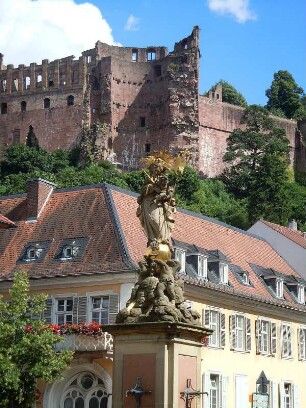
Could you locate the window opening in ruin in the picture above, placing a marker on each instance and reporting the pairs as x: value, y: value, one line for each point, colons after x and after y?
x: 135, y: 55
x: 142, y: 121
x: 50, y: 80
x: 94, y: 110
x: 63, y: 79
x: 185, y: 45
x: 157, y: 70
x: 38, y: 81
x: 3, y: 108
x: 147, y: 147
x: 3, y: 85
x: 23, y: 106
x: 27, y: 82
x: 151, y: 55
x: 15, y: 85
x: 16, y: 136
x: 89, y: 58
x: 70, y: 100
x: 74, y: 77
x: 46, y: 103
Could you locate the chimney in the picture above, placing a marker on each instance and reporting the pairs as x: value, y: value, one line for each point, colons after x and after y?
x: 293, y: 225
x: 38, y: 194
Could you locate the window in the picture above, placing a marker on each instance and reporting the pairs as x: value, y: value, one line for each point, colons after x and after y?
x: 134, y: 55
x: 142, y: 121
x: 14, y: 84
x: 240, y: 333
x: 27, y: 82
x: 38, y: 81
x: 202, y: 267
x: 265, y: 337
x: 151, y: 55
x: 63, y: 311
x: 23, y: 106
x: 215, y: 320
x: 68, y: 251
x: 301, y: 294
x: 286, y: 340
x: 245, y: 278
x: 33, y: 253
x: 223, y: 273
x: 147, y: 147
x: 157, y: 70
x: 16, y: 136
x: 50, y: 80
x: 99, y: 309
x: 89, y: 58
x: 85, y: 390
x: 62, y: 79
x: 70, y: 100
x: 215, y: 385
x: 279, y: 288
x: 46, y: 103
x: 302, y: 343
x: 3, y: 85
x: 3, y: 108
x: 180, y: 255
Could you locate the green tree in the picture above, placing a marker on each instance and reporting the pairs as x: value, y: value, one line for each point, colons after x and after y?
x: 259, y: 157
x: 230, y: 94
x: 285, y: 95
x: 26, y: 347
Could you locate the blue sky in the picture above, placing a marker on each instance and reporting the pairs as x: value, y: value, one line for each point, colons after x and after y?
x: 243, y: 42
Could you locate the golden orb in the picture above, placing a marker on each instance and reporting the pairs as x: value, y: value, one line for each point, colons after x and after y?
x: 163, y: 252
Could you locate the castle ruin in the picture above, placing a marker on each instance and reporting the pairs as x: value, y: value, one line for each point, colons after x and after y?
x: 124, y: 101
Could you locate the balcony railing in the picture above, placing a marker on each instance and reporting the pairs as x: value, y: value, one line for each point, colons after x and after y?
x: 79, y: 342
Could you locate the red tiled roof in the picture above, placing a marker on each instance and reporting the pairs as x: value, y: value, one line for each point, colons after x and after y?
x: 69, y: 213
x: 5, y: 222
x: 240, y: 247
x: 294, y: 235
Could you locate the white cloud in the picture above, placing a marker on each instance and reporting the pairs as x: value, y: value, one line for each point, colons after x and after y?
x: 239, y: 9
x: 32, y: 30
x: 132, y: 23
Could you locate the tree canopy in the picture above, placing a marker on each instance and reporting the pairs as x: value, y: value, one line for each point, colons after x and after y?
x: 27, y: 350
x: 259, y: 159
x: 230, y: 94
x: 284, y: 95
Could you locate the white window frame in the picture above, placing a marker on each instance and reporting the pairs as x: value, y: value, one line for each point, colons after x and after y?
x: 245, y: 278
x: 180, y: 255
x: 217, y: 338
x: 222, y: 389
x: 288, y: 400
x: 279, y: 288
x: 286, y: 340
x: 301, y: 294
x: 241, y: 335
x: 55, y: 299
x: 223, y: 273
x: 202, y: 266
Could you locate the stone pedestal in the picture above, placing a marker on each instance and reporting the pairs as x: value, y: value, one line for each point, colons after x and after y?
x: 163, y: 355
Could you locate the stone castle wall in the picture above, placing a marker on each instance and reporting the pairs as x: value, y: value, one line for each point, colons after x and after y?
x: 148, y: 98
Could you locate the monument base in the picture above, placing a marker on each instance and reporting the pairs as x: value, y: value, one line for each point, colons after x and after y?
x: 153, y: 361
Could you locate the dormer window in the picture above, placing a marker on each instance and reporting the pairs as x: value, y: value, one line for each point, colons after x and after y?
x: 68, y: 251
x: 223, y: 273
x: 301, y: 294
x: 71, y: 249
x: 31, y: 253
x: 279, y: 288
x: 202, y: 267
x: 245, y: 278
x: 180, y: 255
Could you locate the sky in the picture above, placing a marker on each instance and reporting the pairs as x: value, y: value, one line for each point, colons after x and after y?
x: 243, y: 42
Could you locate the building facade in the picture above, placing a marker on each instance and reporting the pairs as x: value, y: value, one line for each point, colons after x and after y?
x: 81, y: 246
x: 126, y: 102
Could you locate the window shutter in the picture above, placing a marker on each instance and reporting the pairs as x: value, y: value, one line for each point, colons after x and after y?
x: 222, y: 330
x: 284, y: 343
x: 224, y: 391
x: 273, y: 339
x: 80, y: 309
x: 206, y: 317
x: 281, y: 395
x: 248, y: 334
x: 113, y: 308
x: 300, y: 343
x: 206, y: 388
x: 258, y: 336
x: 273, y: 395
x: 48, y: 310
x: 296, y: 400
x: 289, y: 342
x: 233, y: 332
